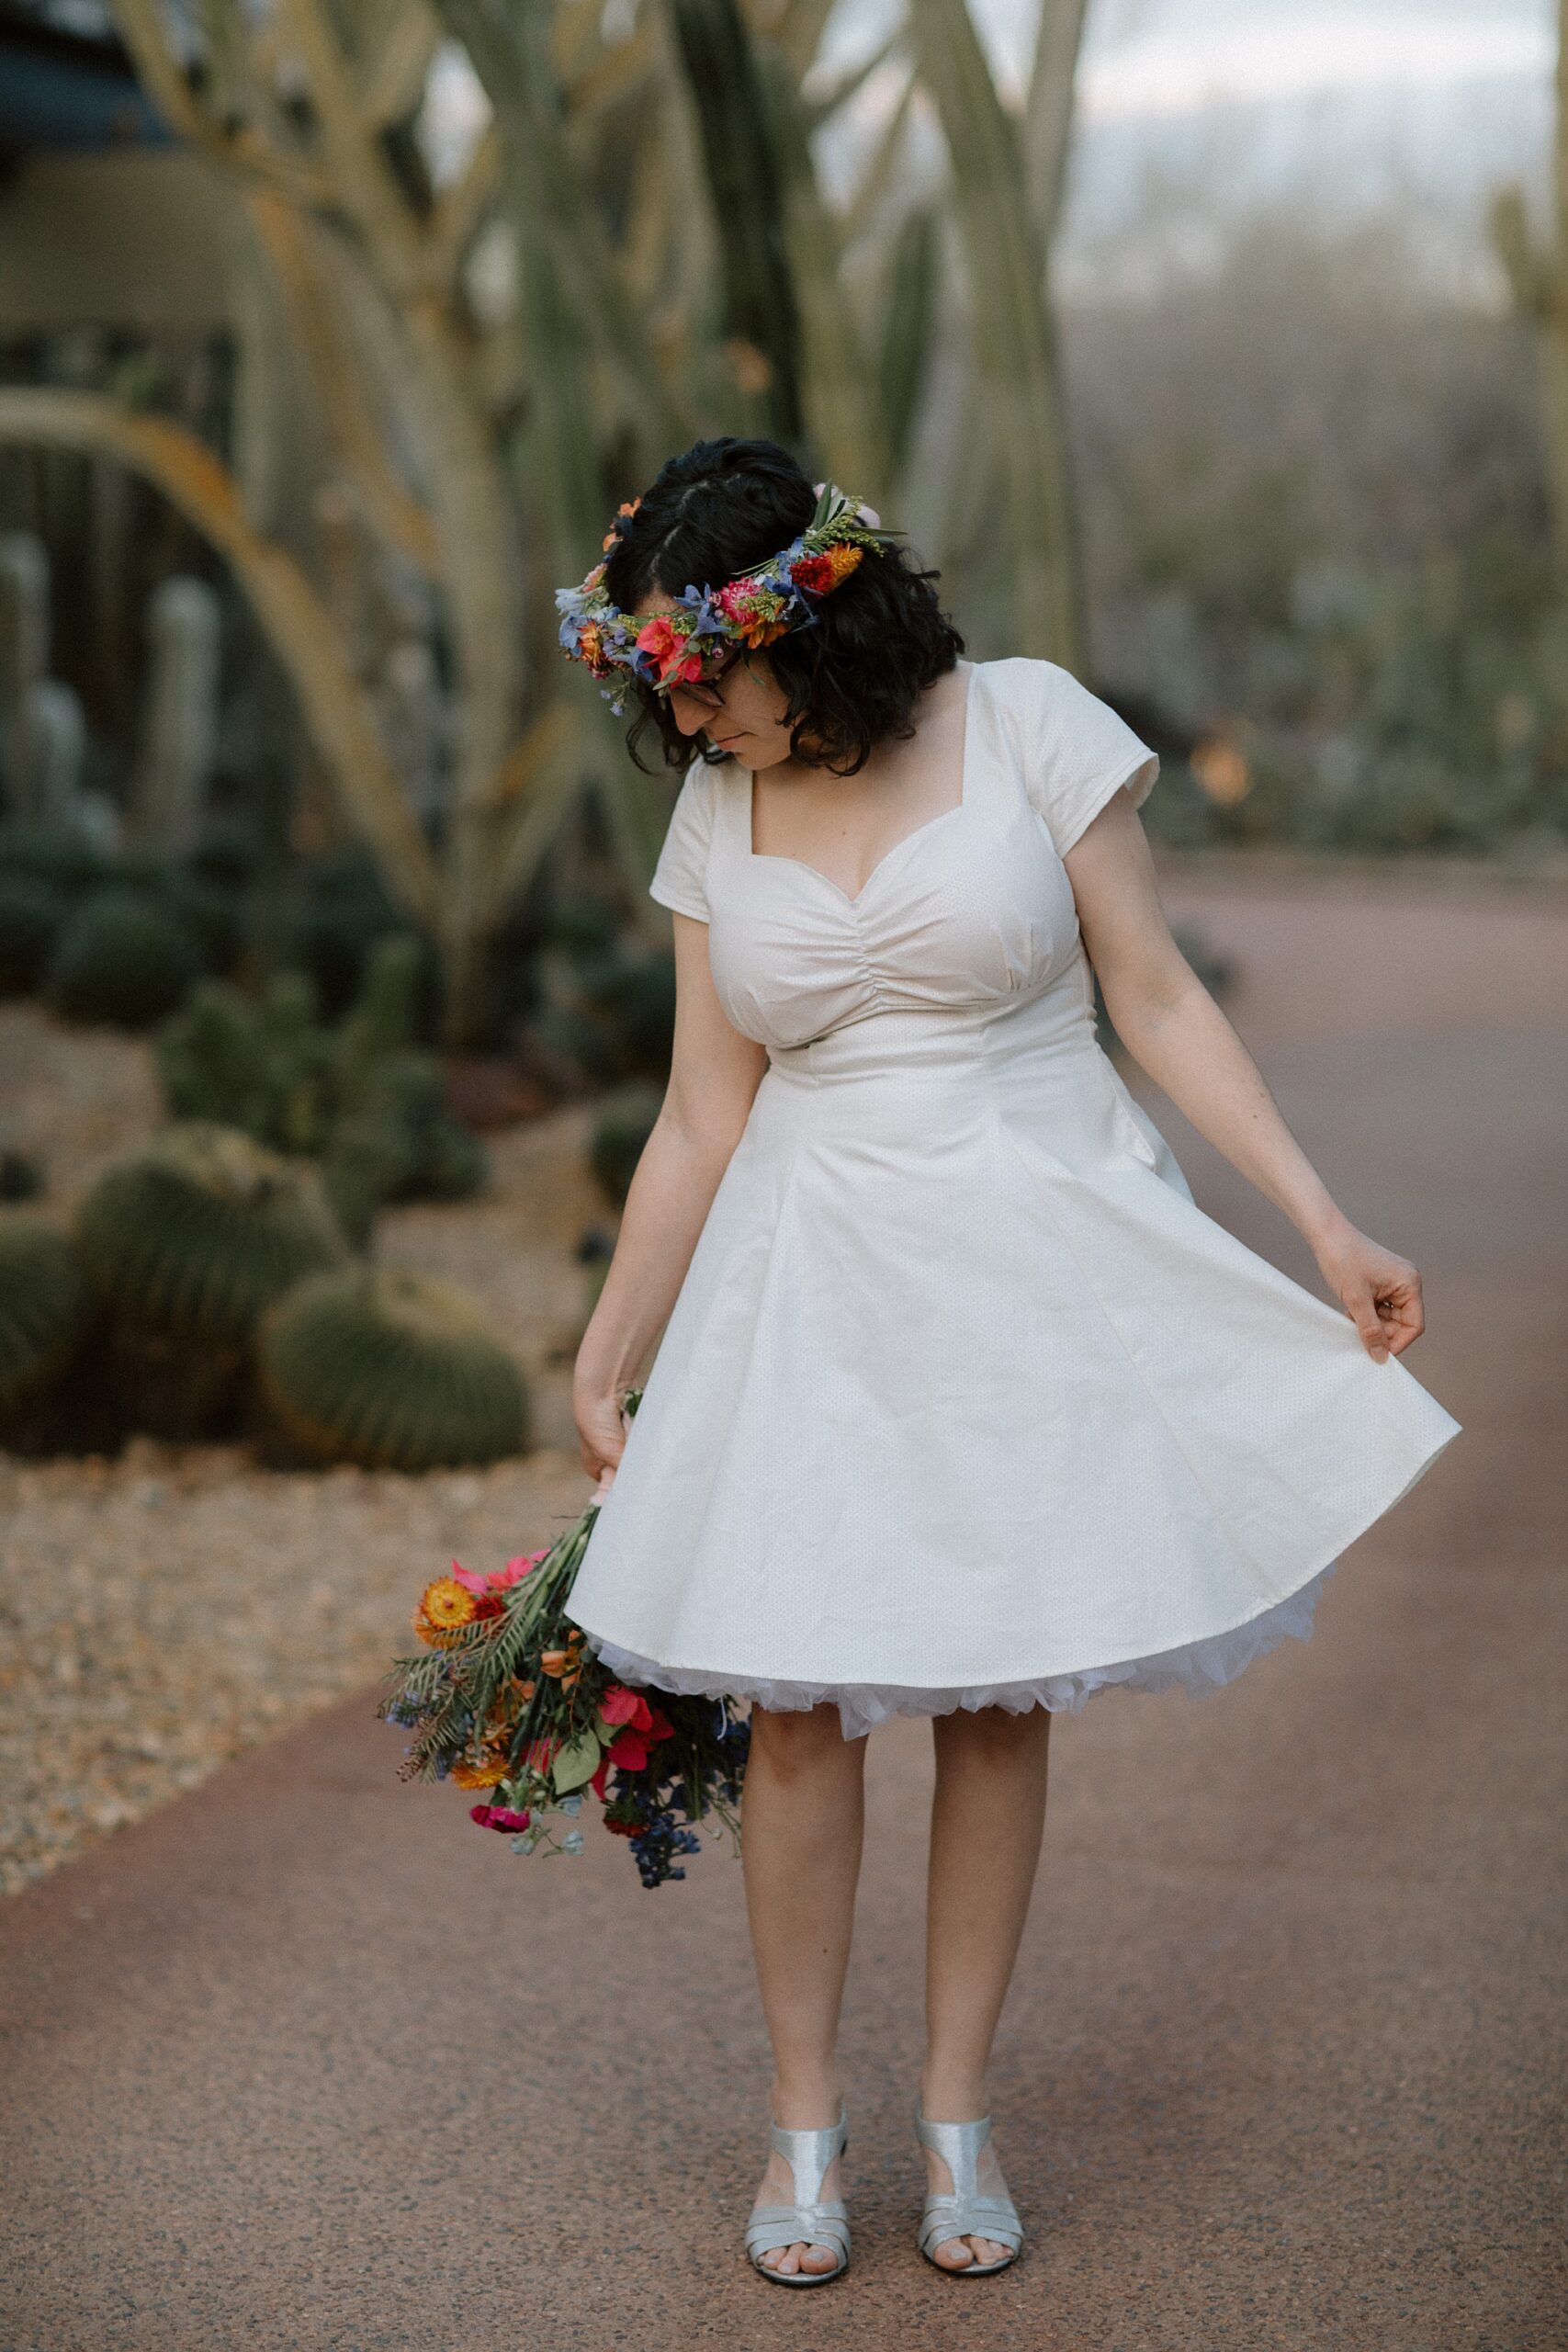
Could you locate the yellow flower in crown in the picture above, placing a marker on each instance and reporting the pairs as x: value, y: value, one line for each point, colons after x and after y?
x: 444, y: 1610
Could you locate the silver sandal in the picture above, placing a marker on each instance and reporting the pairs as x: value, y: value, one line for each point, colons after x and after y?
x: 962, y: 2213
x: 810, y: 2220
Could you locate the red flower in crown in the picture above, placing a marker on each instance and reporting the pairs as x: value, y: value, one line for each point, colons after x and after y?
x: 814, y: 573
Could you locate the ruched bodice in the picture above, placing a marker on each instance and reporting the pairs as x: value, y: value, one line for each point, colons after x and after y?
x: 962, y: 1401
x: 973, y: 908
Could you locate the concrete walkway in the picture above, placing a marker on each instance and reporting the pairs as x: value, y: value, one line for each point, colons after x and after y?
x: 305, y: 2062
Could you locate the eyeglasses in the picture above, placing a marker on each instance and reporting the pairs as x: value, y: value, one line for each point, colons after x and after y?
x: 708, y: 693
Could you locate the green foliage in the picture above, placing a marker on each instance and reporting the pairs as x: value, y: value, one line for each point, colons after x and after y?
x: 363, y: 1098
x: 200, y: 1231
x: 31, y: 913
x: 121, y: 962
x: 346, y: 914
x: 621, y: 1132
x: 609, y: 1008
x: 257, y: 1063
x: 909, y: 309
x: 45, y: 1306
x: 392, y: 1370
x: 57, y: 854
x: 1361, y: 606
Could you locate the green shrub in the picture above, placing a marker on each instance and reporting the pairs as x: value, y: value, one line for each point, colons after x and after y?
x: 31, y: 913
x: 122, y: 962
x: 392, y: 1370
x: 45, y: 1307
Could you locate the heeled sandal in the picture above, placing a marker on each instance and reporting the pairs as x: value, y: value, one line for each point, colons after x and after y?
x: 811, y: 2220
x: 962, y: 2211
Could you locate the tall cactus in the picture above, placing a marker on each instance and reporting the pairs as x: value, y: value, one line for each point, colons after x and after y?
x: 179, y: 733
x: 43, y: 733
x: 1538, y: 274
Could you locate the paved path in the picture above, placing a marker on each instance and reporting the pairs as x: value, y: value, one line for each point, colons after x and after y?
x: 304, y: 2061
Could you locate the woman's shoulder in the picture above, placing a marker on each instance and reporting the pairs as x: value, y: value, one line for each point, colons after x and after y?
x: 1075, y: 749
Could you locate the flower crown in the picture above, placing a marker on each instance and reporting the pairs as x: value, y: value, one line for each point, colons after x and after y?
x: 679, y: 649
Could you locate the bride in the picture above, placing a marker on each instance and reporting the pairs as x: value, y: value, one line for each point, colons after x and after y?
x: 962, y: 1408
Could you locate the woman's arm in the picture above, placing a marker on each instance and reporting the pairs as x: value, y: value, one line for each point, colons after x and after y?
x: 714, y: 1074
x: 1175, y: 1031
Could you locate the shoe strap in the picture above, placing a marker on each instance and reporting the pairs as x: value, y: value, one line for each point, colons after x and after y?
x: 959, y: 2146
x: 809, y: 2156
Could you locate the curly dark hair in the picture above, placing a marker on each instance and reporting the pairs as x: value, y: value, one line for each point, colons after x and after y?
x: 853, y: 675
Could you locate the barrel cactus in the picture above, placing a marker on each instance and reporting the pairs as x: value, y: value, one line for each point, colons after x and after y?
x: 122, y: 960
x: 201, y: 1230
x: 31, y: 913
x: 392, y: 1370
x: 45, y: 1306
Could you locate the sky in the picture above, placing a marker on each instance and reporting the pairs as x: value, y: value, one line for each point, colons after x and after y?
x: 1346, y: 105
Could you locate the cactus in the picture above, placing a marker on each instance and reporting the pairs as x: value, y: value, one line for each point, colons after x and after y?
x: 258, y: 1065
x: 31, y: 919
x: 200, y: 1231
x: 392, y: 1370
x: 385, y: 1017
x: 42, y: 725
x: 123, y: 962
x: 180, y: 717
x: 620, y: 1137
x: 373, y: 1109
x: 396, y: 1140
x: 45, y: 1306
x: 346, y: 913
x: 57, y: 854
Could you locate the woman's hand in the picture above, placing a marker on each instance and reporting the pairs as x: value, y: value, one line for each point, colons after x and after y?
x: 601, y: 1431
x: 1380, y: 1293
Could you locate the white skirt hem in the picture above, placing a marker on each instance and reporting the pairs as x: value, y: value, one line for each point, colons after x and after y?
x: 1198, y: 1667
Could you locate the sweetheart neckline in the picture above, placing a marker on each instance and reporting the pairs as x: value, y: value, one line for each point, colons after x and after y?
x: 960, y: 808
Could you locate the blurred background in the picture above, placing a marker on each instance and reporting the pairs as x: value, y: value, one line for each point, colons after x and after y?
x: 1218, y: 349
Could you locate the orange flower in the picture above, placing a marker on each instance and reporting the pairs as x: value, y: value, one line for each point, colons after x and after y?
x: 444, y: 1610
x: 556, y: 1661
x: 486, y: 1774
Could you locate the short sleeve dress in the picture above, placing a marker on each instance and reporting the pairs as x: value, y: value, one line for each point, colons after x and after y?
x: 962, y: 1401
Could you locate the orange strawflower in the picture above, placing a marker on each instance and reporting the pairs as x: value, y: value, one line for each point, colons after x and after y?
x: 444, y: 1610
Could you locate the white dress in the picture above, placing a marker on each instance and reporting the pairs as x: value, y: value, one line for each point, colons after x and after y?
x: 962, y: 1401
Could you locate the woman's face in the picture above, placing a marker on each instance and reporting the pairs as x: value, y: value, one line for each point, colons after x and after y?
x: 741, y: 711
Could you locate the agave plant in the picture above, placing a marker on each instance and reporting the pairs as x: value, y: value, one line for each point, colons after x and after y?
x: 651, y: 176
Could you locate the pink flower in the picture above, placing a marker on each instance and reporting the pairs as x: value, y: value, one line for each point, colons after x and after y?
x: 497, y: 1817
x: 515, y: 1570
x: 620, y: 1705
x: 499, y: 1579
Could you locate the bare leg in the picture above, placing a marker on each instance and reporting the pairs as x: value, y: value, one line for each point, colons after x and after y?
x: 987, y: 1821
x: 803, y: 1818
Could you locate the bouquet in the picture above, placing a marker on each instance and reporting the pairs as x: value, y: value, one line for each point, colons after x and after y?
x: 507, y: 1701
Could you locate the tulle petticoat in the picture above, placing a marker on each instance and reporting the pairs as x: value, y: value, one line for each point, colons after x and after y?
x: 1198, y: 1667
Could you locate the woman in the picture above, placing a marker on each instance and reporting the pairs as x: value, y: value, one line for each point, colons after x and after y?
x: 962, y: 1408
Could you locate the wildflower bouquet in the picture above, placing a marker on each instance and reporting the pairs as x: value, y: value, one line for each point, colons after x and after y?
x: 507, y: 1701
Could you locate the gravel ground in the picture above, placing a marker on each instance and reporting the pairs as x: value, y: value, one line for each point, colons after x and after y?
x: 165, y: 1610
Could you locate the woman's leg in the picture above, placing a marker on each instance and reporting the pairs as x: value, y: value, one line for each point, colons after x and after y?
x: 802, y: 1817
x: 987, y: 1821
